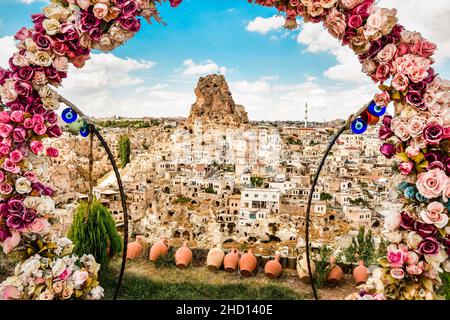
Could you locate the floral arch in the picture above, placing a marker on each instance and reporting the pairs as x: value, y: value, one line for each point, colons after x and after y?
x: 398, y: 60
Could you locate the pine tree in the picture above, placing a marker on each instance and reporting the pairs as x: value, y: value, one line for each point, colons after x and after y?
x: 124, y: 150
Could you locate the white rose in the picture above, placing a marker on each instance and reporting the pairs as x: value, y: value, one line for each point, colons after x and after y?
x: 32, y: 202
x: 97, y: 293
x: 53, y: 12
x: 79, y: 277
x: 46, y: 295
x: 58, y: 267
x: 7, y: 91
x: 392, y: 221
x: 30, y: 266
x: 446, y: 265
x: 413, y: 240
x: 437, y: 260
x: 41, y: 58
x: 52, y: 26
x: 50, y: 103
x: 23, y: 185
x: 19, y: 60
x: 30, y: 45
x: 393, y: 237
x: 47, y: 205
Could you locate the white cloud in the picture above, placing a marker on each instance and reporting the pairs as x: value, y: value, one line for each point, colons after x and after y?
x: 8, y: 46
x: 264, y: 25
x: 191, y: 68
x: 32, y: 1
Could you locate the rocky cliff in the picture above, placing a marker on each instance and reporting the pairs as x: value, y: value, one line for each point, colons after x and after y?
x: 215, y: 104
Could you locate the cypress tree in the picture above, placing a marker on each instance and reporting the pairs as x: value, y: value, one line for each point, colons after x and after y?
x: 124, y: 150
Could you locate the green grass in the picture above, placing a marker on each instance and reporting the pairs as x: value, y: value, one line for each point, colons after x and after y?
x: 143, y: 281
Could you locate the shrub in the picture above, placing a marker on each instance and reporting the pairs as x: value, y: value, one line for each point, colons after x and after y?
x: 98, y: 236
x: 124, y: 150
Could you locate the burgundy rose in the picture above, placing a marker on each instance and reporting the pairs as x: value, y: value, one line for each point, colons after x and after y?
x: 396, y: 31
x: 433, y: 133
x: 130, y: 23
x: 54, y: 131
x: 424, y: 230
x: 23, y: 88
x: 51, y: 116
x: 418, y: 87
x: 120, y: 3
x: 415, y: 99
x: 375, y: 47
x: 388, y: 150
x: 429, y: 246
x: 89, y: 22
x: 38, y: 187
x: 29, y: 216
x: 433, y: 156
x: 59, y: 48
x: 52, y: 74
x: 447, y: 165
x: 129, y: 8
x: 70, y: 33
x: 363, y: 9
x: 38, y: 18
x: 43, y: 42
x: 431, y: 76
x: 16, y: 206
x: 407, y: 221
x: 385, y: 133
x: 355, y: 21
x: 175, y: 3
x: 4, y: 210
x: 25, y: 74
x: 48, y: 191
x: 39, y: 109
x: 4, y: 74
x: 95, y: 34
x: 387, y: 120
x: 4, y: 233
x: 385, y: 40
x: 436, y: 165
x: 15, y: 221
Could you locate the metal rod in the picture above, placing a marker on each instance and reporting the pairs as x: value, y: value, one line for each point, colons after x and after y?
x: 94, y: 129
x: 313, y: 187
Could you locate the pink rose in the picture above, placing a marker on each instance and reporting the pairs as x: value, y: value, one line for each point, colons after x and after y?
x: 435, y: 215
x: 4, y: 149
x: 30, y: 175
x: 355, y: 21
x: 52, y: 152
x: 336, y: 24
x: 9, y: 293
x: 402, y: 132
x: 4, y: 117
x: 79, y: 277
x: 396, y: 258
x: 36, y: 147
x: 38, y: 119
x: 40, y: 129
x: 416, y: 125
x: 414, y: 270
x: 19, y: 134
x: 83, y: 4
x: 387, y: 53
x: 423, y: 48
x: 16, y: 156
x: 417, y: 74
x: 2, y: 176
x: 446, y: 195
x: 11, y: 166
x: 382, y: 73
x: 433, y: 133
x: 382, y: 99
x: 5, y: 130
x: 17, y: 116
x: 406, y: 168
x: 376, y: 22
x: 100, y: 10
x: 397, y: 273
x: 431, y: 184
x: 350, y: 4
x: 400, y: 82
x: 411, y: 258
x: 39, y: 225
x: 28, y: 123
x: 12, y: 242
x: 412, y: 151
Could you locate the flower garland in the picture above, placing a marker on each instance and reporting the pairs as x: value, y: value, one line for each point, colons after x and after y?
x: 418, y: 135
x: 63, y: 34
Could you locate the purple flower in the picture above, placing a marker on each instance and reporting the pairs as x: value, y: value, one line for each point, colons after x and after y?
x: 89, y: 22
x: 48, y: 191
x: 15, y: 221
x: 4, y: 74
x: 4, y: 210
x: 51, y: 116
x: 447, y: 165
x: 387, y: 120
x: 385, y: 133
x: 429, y: 246
x: 130, y: 23
x: 418, y: 87
x: 431, y: 76
x: 95, y: 34
x: 120, y: 3
x: 375, y: 47
x: 433, y: 133
x: 433, y: 156
x: 388, y: 150
x: 129, y: 8
x: 29, y: 216
x: 424, y: 229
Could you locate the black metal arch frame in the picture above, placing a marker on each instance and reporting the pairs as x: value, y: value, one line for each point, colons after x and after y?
x: 94, y: 129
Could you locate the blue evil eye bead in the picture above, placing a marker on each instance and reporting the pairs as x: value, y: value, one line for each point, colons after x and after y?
x: 375, y: 110
x: 69, y: 116
x: 420, y: 197
x: 84, y: 132
x: 359, y: 126
x: 410, y: 192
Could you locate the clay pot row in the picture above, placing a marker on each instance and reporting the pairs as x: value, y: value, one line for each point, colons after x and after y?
x: 247, y: 263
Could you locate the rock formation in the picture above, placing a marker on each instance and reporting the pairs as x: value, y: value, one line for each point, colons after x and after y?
x: 215, y: 104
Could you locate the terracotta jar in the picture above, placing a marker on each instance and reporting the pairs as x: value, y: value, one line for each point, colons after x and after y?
x: 215, y: 259
x: 183, y: 256
x: 273, y: 268
x: 335, y: 275
x: 302, y: 268
x: 247, y: 264
x: 159, y: 249
x: 134, y: 249
x: 230, y: 262
x: 360, y: 273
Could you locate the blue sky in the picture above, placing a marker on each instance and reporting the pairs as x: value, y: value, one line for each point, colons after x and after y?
x: 272, y: 73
